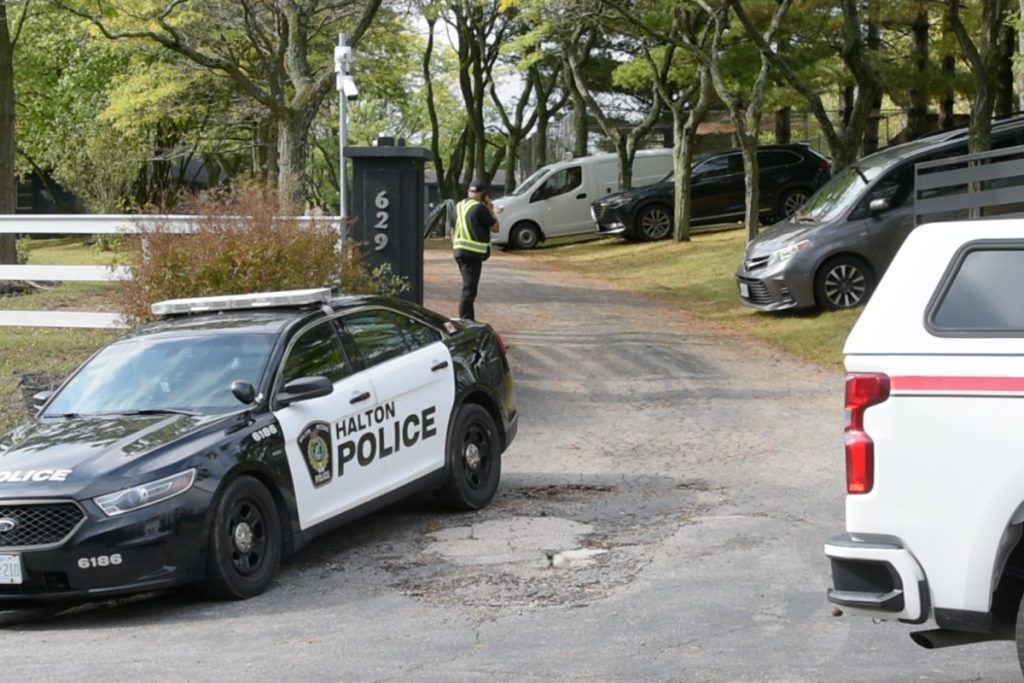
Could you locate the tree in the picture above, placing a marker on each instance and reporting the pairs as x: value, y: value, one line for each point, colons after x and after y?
x: 624, y: 138
x: 8, y: 179
x: 984, y: 58
x: 845, y: 142
x: 278, y: 54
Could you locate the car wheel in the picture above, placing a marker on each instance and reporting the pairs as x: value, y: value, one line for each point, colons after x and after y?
x: 474, y: 458
x: 791, y: 200
x: 654, y: 222
x: 524, y: 235
x: 245, y: 542
x: 843, y: 282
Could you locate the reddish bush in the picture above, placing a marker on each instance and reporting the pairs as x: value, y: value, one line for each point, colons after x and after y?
x: 242, y: 242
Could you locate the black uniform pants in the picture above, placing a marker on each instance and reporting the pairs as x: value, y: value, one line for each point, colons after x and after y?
x: 470, y: 270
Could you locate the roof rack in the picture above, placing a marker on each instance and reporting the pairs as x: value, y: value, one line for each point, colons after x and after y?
x: 234, y: 302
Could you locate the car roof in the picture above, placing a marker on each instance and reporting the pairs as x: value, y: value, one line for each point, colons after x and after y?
x: 936, y: 141
x: 273, y: 320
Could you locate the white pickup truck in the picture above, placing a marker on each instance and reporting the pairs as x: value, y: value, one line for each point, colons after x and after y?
x: 934, y: 447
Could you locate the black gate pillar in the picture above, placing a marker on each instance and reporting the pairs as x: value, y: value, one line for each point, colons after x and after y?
x: 388, y: 204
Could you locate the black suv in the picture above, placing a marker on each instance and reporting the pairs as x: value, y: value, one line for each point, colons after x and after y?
x: 789, y: 175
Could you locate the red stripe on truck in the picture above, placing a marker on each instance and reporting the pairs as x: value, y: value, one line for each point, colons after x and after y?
x: 926, y: 383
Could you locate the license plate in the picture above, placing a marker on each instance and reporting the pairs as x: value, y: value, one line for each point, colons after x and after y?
x: 10, y: 568
x: 744, y: 290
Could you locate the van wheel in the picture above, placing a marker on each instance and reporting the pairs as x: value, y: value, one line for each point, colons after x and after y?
x: 524, y: 235
x: 654, y: 222
x: 843, y: 282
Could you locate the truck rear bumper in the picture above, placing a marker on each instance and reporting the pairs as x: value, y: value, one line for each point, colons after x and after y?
x: 877, y: 576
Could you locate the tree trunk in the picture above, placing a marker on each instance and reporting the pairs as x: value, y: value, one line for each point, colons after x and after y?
x: 291, y: 153
x: 917, y: 115
x: 685, y: 122
x: 1004, y: 72
x: 783, y: 124
x: 1020, y: 53
x: 873, y: 44
x: 540, y: 149
x: 8, y: 181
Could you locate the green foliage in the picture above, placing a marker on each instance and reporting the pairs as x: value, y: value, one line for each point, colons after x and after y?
x: 242, y: 243
x: 24, y: 249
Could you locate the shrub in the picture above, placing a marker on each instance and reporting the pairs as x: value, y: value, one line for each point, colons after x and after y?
x: 242, y: 241
x: 23, y: 247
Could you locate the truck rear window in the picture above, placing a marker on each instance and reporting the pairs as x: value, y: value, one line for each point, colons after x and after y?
x: 983, y: 292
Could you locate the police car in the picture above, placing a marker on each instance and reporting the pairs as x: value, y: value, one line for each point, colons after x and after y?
x: 212, y: 442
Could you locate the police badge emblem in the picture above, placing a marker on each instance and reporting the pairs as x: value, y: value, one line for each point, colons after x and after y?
x: 315, y: 446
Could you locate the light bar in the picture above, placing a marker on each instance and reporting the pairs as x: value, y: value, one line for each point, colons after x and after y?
x: 234, y: 302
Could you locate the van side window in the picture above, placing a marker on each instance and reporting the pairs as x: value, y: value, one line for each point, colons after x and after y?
x: 560, y: 182
x: 983, y: 294
x: 896, y: 187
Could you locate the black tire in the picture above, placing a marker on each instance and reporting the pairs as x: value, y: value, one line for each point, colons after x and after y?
x: 791, y: 200
x: 244, y: 550
x: 474, y: 460
x: 524, y: 235
x: 843, y: 282
x: 654, y: 222
x: 1020, y: 635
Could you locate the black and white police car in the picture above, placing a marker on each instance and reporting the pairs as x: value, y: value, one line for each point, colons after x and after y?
x: 229, y: 432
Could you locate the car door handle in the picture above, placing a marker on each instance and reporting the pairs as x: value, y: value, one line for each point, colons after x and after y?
x: 581, y: 195
x: 439, y: 366
x: 358, y: 397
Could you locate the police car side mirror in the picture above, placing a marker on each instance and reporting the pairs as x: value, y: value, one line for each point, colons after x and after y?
x: 39, y: 400
x: 243, y: 391
x: 303, y: 389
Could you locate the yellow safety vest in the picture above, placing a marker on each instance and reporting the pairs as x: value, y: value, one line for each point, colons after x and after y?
x: 463, y: 238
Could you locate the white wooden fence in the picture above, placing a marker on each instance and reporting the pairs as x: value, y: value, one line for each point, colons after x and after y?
x: 77, y: 224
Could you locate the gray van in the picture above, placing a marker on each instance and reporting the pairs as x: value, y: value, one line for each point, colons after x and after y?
x: 831, y: 253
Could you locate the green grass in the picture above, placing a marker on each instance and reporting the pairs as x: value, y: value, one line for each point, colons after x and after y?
x: 699, y: 277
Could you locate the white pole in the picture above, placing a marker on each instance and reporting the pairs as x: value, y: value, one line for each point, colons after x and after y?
x: 342, y: 64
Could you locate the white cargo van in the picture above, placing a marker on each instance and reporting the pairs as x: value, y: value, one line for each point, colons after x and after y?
x: 555, y: 200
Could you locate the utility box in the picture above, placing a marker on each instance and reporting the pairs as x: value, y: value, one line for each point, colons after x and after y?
x: 387, y: 208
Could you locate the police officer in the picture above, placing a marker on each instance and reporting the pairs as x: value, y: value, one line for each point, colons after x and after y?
x: 474, y: 221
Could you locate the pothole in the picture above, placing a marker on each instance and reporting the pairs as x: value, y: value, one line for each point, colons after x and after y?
x: 533, y: 540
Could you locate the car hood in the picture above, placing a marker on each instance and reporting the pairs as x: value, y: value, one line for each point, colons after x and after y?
x: 65, y: 457
x: 780, y: 235
x: 637, y: 193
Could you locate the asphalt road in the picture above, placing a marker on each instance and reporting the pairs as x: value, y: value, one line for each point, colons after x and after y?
x: 661, y: 518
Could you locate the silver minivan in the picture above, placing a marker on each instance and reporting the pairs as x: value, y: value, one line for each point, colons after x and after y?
x: 555, y: 201
x: 831, y: 253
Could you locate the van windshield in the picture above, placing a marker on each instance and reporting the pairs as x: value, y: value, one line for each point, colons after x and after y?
x: 527, y: 185
x: 838, y: 195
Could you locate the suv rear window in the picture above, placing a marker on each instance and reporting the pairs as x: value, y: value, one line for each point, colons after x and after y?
x: 982, y: 292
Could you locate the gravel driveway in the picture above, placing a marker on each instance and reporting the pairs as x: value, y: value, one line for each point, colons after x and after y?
x: 661, y: 518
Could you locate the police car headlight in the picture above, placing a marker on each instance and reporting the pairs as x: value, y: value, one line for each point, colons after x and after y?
x: 789, y: 252
x: 146, y: 494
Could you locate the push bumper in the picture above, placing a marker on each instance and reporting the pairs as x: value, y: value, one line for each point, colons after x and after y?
x: 877, y: 576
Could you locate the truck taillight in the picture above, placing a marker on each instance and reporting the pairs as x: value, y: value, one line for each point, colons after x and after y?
x: 863, y: 390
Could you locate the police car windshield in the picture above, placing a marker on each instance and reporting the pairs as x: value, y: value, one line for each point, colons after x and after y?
x: 165, y: 374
